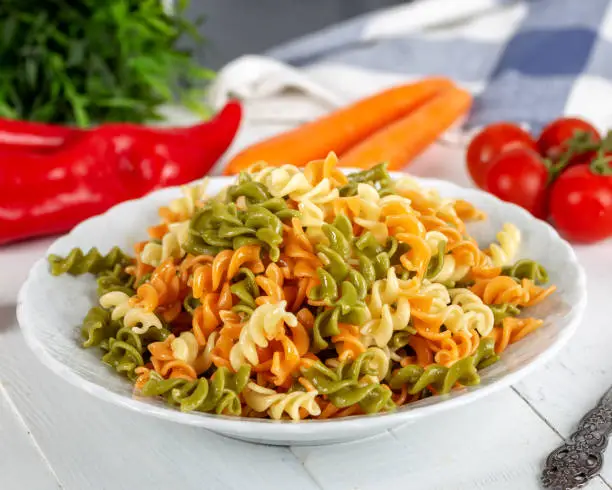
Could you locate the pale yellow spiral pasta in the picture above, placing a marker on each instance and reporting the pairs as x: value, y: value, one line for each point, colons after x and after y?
x: 311, y: 214
x: 289, y: 180
x: 369, y: 212
x: 385, y: 319
x: 132, y: 315
x: 435, y: 201
x: 185, y: 348
x: 509, y: 239
x: 185, y: 206
x: 450, y: 271
x: 266, y: 323
x: 477, y: 314
x: 466, y: 311
x: 380, y: 361
x: 283, y: 181
x: 171, y: 245
x: 313, y: 201
x: 438, y: 292
x: 276, y: 404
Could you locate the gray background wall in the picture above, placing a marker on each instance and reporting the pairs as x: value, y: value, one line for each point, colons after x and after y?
x: 235, y: 27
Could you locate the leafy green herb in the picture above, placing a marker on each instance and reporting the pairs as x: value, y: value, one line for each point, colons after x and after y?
x: 88, y: 61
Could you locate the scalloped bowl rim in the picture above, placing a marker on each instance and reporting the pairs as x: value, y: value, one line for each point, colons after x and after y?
x: 287, y: 428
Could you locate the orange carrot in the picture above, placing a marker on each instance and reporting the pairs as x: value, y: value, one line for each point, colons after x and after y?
x: 341, y: 129
x: 401, y: 141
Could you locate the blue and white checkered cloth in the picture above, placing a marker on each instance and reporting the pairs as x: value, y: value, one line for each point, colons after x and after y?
x: 524, y: 61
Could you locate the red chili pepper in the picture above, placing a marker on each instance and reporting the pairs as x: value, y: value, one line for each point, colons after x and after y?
x: 33, y: 136
x: 45, y: 193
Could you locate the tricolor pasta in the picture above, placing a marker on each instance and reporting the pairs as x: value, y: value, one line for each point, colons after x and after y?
x: 308, y: 293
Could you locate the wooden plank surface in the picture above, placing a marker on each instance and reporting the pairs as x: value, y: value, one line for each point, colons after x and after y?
x: 572, y: 383
x: 497, y: 444
x: 22, y: 465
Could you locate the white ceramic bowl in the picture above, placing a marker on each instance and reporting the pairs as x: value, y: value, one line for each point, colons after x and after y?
x: 50, y: 309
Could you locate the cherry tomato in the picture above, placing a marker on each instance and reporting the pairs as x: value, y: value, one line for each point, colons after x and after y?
x: 519, y: 176
x: 581, y: 204
x: 554, y: 137
x: 491, y: 142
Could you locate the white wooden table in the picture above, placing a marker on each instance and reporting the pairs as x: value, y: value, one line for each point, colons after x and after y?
x: 54, y: 436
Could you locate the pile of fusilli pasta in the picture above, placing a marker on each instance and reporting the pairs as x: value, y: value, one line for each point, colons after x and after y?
x: 308, y: 294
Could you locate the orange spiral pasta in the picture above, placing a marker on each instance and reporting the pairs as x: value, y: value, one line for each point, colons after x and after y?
x: 512, y: 330
x: 504, y: 289
x: 309, y: 293
x: 466, y: 211
x: 206, y: 317
x: 300, y: 333
x: 318, y: 170
x: 433, y: 223
x: 162, y: 288
x: 272, y: 285
x: 157, y: 232
x: 466, y: 252
x: 166, y: 363
x: 535, y: 293
x: 348, y: 342
x: 417, y: 258
x: 285, y: 361
x: 404, y: 223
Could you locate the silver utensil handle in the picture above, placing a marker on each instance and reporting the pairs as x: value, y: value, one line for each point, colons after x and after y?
x: 580, y: 458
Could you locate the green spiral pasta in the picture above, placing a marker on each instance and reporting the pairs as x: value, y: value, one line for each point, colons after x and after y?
x: 337, y: 276
x: 278, y: 206
x: 502, y: 311
x: 246, y: 290
x: 190, y: 303
x: 77, y: 262
x: 115, y: 280
x: 98, y: 327
x: 442, y: 378
x: 377, y: 177
x: 399, y: 339
x: 196, y: 245
x: 347, y: 305
x: 219, y: 394
x: 359, y: 367
x: 217, y: 225
x: 339, y: 234
x: 343, y: 387
x: 326, y: 323
x: 527, y: 269
x: 436, y: 263
x: 127, y: 349
x: 374, y: 259
x: 124, y: 352
x: 353, y: 293
x: 327, y: 290
x: 254, y: 192
x: 368, y: 245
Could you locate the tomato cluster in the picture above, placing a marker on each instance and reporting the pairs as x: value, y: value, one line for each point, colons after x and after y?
x: 563, y: 175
